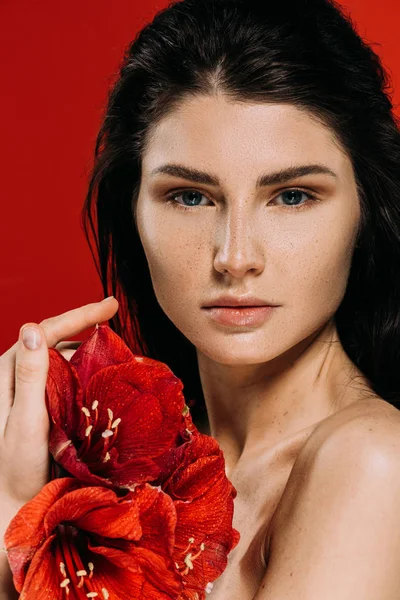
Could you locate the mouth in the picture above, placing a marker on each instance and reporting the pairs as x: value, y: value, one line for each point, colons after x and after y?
x: 238, y: 306
x: 240, y: 315
x: 238, y: 302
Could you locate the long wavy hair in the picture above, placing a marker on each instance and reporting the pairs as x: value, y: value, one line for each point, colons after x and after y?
x: 302, y: 52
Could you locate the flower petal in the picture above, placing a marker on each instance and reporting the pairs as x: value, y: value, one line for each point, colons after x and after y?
x: 158, y: 519
x: 102, y: 349
x: 204, y: 505
x: 127, y: 582
x: 115, y: 521
x: 148, y: 399
x: 67, y: 456
x: 152, y: 555
x: 89, y: 508
x: 26, y: 531
x: 133, y: 471
x: 177, y: 459
x: 43, y: 577
x: 206, y: 509
x: 64, y: 395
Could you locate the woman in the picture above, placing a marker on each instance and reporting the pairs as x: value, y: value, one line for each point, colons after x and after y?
x: 249, y: 157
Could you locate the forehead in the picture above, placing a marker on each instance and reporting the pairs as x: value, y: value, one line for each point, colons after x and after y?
x: 212, y: 130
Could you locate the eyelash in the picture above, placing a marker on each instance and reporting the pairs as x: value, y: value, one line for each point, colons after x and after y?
x: 311, y: 198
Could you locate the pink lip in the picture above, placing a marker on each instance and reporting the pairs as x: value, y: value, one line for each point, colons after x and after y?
x: 238, y: 301
x: 242, y: 316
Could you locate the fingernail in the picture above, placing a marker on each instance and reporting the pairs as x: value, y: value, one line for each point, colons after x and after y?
x: 109, y: 298
x: 31, y: 338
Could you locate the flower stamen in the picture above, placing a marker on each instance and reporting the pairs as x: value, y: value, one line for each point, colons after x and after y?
x: 81, y: 573
x: 191, y: 541
x: 96, y: 412
x: 116, y: 423
x: 110, y: 417
x: 75, y: 576
x: 199, y: 552
x: 62, y: 569
x: 115, y: 426
x: 64, y: 584
x: 91, y: 569
x: 86, y: 411
x: 107, y: 433
x: 189, y: 558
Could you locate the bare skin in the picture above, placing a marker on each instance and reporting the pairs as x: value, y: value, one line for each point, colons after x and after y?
x: 261, y: 383
x: 276, y: 393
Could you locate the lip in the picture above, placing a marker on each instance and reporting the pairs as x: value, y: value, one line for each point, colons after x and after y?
x: 241, y: 316
x: 238, y: 301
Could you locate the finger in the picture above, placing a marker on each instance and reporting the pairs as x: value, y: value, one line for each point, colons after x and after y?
x: 7, y: 383
x: 102, y: 311
x: 28, y: 416
x: 76, y: 320
x: 28, y: 411
x: 55, y: 329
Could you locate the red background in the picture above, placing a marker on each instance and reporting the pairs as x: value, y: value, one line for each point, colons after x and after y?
x: 57, y: 61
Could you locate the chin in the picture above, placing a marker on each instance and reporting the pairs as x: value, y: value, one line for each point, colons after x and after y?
x: 236, y: 353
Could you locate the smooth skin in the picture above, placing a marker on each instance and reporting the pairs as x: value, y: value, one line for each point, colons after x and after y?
x: 24, y: 423
x: 338, y: 526
x: 313, y: 453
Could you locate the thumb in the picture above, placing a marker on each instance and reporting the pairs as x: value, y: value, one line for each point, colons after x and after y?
x: 29, y: 413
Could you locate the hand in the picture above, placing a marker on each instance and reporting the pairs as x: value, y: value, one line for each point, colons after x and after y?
x: 24, y: 422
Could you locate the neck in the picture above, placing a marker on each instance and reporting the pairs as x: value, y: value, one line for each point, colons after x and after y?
x: 256, y: 406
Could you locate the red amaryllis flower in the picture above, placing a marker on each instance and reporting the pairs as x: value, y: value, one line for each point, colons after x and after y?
x: 112, y: 412
x: 85, y: 542
x: 121, y: 420
x: 194, y: 476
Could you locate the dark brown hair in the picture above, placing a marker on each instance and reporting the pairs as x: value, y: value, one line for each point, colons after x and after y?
x: 303, y: 52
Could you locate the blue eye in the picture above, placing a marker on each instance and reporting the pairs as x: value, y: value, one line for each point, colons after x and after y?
x: 192, y: 198
x: 295, y: 195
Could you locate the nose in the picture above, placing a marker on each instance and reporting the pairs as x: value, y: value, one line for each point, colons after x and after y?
x: 239, y: 249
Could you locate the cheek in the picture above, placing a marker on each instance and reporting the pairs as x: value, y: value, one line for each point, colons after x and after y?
x: 318, y: 274
x: 176, y: 256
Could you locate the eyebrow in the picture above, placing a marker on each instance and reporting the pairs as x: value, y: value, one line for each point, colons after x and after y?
x: 278, y: 177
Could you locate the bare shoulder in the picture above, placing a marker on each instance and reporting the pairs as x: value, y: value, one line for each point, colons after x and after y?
x: 339, y: 506
x: 354, y: 442
x: 357, y: 431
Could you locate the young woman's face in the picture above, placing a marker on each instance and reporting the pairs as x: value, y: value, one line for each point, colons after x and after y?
x: 218, y: 233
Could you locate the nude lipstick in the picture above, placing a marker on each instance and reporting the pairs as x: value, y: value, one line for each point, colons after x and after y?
x: 239, y: 311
